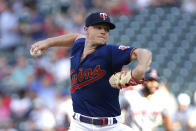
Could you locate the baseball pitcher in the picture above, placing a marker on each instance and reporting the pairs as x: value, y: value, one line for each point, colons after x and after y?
x: 93, y: 62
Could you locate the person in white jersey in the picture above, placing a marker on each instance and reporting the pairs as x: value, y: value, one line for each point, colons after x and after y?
x: 145, y: 109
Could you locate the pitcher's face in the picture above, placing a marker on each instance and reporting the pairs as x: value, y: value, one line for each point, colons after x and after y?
x: 98, y: 34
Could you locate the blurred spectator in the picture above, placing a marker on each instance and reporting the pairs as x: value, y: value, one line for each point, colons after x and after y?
x: 192, y: 118
x: 52, y: 29
x: 17, y: 6
x: 2, y: 5
x: 21, y: 72
x: 4, y: 111
x: 60, y: 22
x: 63, y: 110
x: 167, y: 98
x: 62, y: 66
x: 140, y: 4
x: 42, y: 117
x: 43, y: 86
x: 8, y: 125
x: 181, y: 116
x: 35, y: 26
x: 58, y: 63
x: 145, y: 111
x: 77, y: 6
x: 158, y: 3
x: 9, y: 28
x: 99, y: 5
x: 64, y: 6
x: 5, y: 70
x: 88, y: 4
x: 20, y: 107
x: 5, y: 99
x: 77, y: 22
x: 62, y: 18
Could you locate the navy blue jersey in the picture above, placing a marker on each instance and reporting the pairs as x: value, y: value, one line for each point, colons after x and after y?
x: 91, y: 92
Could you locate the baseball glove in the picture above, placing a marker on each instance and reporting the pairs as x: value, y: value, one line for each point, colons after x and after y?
x: 123, y: 79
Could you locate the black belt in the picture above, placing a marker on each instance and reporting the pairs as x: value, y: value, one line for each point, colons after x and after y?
x: 95, y: 121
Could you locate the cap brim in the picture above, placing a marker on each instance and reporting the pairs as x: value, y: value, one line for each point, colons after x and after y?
x: 153, y: 79
x: 112, y: 26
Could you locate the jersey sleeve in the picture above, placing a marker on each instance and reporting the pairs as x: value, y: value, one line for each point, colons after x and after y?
x: 120, y: 56
x: 77, y: 45
x: 78, y: 42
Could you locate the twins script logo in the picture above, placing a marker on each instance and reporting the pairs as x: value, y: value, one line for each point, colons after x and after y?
x: 83, y: 78
x: 104, y: 16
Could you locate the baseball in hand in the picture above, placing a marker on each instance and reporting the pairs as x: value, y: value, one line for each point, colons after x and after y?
x: 35, y: 52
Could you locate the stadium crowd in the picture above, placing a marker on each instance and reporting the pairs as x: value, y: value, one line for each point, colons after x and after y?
x: 34, y: 92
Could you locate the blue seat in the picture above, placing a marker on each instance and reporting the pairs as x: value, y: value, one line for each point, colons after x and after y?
x: 169, y: 45
x: 188, y: 64
x: 192, y: 57
x: 167, y: 72
x: 171, y: 65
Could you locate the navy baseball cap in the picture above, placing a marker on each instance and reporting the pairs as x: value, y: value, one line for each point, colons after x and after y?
x: 151, y: 75
x: 98, y: 17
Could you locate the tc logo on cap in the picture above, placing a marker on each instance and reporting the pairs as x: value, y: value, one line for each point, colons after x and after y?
x: 104, y: 16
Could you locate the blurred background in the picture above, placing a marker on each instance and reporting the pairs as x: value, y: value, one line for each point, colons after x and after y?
x: 34, y: 92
